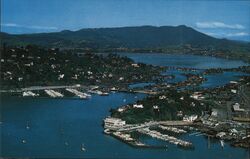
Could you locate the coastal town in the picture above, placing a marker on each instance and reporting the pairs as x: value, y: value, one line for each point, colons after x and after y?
x: 33, y: 65
x: 128, y: 79
x: 169, y: 110
x: 221, y: 113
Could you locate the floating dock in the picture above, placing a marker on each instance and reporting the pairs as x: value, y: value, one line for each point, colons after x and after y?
x: 172, y: 129
x: 53, y: 93
x: 78, y: 93
x: 170, y: 139
x: 126, y: 138
x: 29, y: 94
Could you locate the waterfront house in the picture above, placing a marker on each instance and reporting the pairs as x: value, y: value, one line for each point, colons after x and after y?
x: 236, y: 108
x: 190, y: 118
x: 113, y: 123
x: 138, y: 106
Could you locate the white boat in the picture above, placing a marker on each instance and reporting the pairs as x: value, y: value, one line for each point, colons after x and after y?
x: 104, y: 94
x: 222, y: 143
x: 82, y: 148
x: 27, y: 126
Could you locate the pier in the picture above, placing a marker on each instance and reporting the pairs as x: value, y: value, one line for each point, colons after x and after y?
x: 170, y: 139
x: 53, y: 93
x: 78, y: 93
x: 98, y: 92
x: 133, y: 127
x: 29, y: 94
x: 119, y: 125
x: 126, y: 138
x: 172, y: 129
x: 118, y: 128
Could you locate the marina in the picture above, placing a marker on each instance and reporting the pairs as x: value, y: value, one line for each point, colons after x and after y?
x: 172, y: 129
x: 120, y: 129
x: 128, y: 79
x: 46, y: 122
x: 165, y: 137
x: 47, y: 110
x: 29, y: 94
x: 126, y: 138
x: 53, y: 93
x: 78, y: 93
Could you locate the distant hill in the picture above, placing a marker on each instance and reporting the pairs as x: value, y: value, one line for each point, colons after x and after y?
x: 125, y: 37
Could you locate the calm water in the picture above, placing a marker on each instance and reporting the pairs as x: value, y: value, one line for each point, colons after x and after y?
x: 58, y: 127
x: 140, y: 85
x: 56, y: 122
x: 215, y: 80
x: 191, y: 61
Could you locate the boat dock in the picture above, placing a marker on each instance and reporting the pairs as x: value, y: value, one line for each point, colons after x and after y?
x: 29, y: 94
x: 170, y: 139
x: 119, y: 129
x: 53, y: 93
x: 172, y: 129
x: 78, y: 93
x: 126, y: 138
x: 98, y: 92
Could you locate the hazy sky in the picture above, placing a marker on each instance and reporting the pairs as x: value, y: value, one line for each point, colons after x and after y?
x: 224, y: 18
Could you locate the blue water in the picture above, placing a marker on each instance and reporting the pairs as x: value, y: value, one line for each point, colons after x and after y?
x: 58, y: 127
x: 190, y: 61
x: 141, y: 85
x: 220, y: 79
x: 178, y: 75
x: 54, y: 122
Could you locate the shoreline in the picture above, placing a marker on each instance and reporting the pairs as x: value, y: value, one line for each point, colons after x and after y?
x: 247, y: 61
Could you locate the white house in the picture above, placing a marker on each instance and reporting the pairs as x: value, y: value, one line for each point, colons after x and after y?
x: 138, y: 106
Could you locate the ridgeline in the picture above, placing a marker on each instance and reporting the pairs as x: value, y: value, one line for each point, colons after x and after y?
x: 167, y: 39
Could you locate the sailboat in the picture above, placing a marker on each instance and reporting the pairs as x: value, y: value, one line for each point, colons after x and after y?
x: 222, y: 143
x: 27, y: 125
x: 82, y: 148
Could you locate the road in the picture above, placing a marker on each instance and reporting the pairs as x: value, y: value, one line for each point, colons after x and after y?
x: 35, y: 88
x: 243, y: 95
x: 154, y: 123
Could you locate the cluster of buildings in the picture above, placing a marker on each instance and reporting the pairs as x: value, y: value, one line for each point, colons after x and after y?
x: 118, y: 128
x: 22, y: 67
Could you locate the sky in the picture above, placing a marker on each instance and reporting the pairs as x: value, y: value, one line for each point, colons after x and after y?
x: 222, y: 18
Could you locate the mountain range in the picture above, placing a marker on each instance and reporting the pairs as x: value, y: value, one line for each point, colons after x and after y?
x: 144, y: 37
x: 140, y: 37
